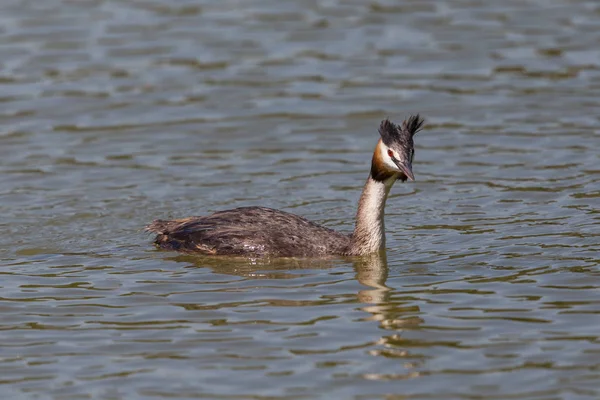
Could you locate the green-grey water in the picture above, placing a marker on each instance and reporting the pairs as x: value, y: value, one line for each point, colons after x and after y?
x: 114, y: 113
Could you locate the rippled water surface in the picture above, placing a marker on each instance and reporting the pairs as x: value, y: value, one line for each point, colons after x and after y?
x: 114, y: 113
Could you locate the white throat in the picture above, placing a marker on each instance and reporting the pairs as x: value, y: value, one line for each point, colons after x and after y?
x: 369, y: 232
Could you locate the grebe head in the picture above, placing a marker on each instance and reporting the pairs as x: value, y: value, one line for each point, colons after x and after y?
x: 395, y: 150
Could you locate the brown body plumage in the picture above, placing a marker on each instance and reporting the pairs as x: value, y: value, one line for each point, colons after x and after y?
x: 261, y: 231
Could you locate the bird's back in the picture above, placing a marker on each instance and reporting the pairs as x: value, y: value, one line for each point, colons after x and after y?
x: 249, y: 231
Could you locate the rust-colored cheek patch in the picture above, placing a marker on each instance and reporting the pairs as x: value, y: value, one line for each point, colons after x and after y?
x: 379, y: 171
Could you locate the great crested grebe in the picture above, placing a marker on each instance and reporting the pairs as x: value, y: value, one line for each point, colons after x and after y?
x: 265, y: 232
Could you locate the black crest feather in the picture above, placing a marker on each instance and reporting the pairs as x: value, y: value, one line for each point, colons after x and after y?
x: 413, y: 124
x: 391, y: 132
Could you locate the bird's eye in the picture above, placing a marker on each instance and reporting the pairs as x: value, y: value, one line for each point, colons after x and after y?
x: 390, y: 153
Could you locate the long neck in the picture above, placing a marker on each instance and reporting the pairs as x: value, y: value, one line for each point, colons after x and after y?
x: 369, y: 232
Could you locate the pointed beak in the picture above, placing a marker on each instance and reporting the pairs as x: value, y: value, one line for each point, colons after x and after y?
x: 406, y: 169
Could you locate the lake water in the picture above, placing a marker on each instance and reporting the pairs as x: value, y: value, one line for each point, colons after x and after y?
x: 114, y: 113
